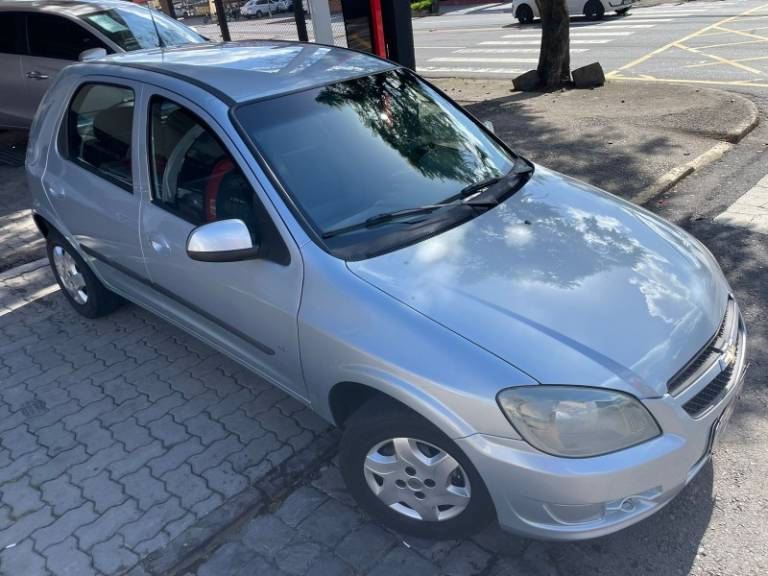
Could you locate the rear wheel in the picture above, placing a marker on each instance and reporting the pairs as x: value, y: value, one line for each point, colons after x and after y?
x: 410, y: 476
x: 594, y: 10
x: 524, y: 14
x: 85, y: 292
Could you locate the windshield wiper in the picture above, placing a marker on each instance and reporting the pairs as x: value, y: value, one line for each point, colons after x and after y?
x: 386, y: 217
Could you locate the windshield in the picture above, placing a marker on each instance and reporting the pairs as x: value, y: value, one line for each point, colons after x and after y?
x: 132, y: 28
x: 363, y: 147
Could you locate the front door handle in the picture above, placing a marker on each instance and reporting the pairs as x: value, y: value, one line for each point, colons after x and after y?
x: 35, y: 75
x: 159, y: 244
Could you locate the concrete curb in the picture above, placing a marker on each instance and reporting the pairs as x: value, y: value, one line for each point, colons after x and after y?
x: 674, y: 176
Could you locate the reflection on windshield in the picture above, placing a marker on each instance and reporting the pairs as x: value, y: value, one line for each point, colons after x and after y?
x: 380, y: 143
x: 134, y: 29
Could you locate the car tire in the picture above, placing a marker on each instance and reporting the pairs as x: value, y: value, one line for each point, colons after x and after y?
x: 87, y: 295
x: 622, y: 11
x: 524, y: 14
x: 371, y: 432
x: 259, y: 14
x: 594, y: 10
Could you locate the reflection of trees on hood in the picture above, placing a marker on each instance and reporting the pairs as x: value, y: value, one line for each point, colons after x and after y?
x: 397, y: 109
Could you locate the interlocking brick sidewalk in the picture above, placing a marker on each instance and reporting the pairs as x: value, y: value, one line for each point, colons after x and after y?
x: 119, y: 434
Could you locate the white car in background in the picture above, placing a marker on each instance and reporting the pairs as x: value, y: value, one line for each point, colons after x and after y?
x: 261, y: 8
x: 526, y: 10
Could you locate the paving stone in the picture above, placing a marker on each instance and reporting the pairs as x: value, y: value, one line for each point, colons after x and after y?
x: 56, y: 439
x: 146, y: 547
x: 93, y: 436
x: 65, y: 559
x: 466, y: 559
x: 21, y: 560
x: 205, y: 428
x: 254, y: 453
x: 96, y: 463
x: 297, y: 558
x: 19, y: 466
x: 300, y: 504
x: 19, y: 440
x: 20, y: 497
x: 229, y: 559
x: 225, y: 480
x: 130, y: 434
x: 404, y: 562
x: 245, y: 427
x: 195, y: 406
x: 107, y: 524
x: 434, y: 550
x: 119, y: 390
x: 159, y: 409
x: 151, y: 522
x: 124, y: 410
x: 175, y: 456
x: 24, y: 526
x: 153, y: 388
x: 215, y: 454
x: 111, y: 557
x: 309, y: 420
x: 277, y: 457
x: 496, y: 541
x: 187, y: 486
x: 363, y: 547
x: 332, y: 483
x: 64, y: 526
x: 168, y: 431
x: 187, y: 385
x: 266, y: 535
x: 136, y: 459
x: 230, y: 404
x: 221, y: 384
x: 328, y: 565
x: 205, y: 507
x: 145, y: 489
x: 329, y: 523
x: 103, y: 491
x: 57, y: 465
x: 176, y: 527
x: 274, y: 421
x: 90, y: 412
x: 61, y: 495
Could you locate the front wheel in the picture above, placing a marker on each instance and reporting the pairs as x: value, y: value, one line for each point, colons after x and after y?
x: 87, y: 295
x: 524, y: 14
x: 594, y: 10
x: 407, y: 474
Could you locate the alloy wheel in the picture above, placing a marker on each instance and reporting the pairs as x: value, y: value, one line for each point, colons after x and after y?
x: 71, y: 278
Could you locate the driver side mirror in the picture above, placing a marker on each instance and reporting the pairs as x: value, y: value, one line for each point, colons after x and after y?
x: 92, y: 54
x: 222, y: 241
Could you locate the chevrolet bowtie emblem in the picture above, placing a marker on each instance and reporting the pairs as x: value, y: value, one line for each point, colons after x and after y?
x: 729, y: 356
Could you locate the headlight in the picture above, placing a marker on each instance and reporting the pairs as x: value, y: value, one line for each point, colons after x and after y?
x: 577, y: 422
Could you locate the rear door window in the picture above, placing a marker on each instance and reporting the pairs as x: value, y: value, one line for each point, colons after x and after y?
x: 52, y: 36
x: 99, y: 131
x: 11, y: 33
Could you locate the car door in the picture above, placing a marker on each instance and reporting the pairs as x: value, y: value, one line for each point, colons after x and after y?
x: 248, y: 308
x: 53, y: 43
x: 90, y: 175
x: 13, y: 99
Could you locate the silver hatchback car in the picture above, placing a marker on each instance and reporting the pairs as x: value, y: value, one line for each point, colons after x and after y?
x: 497, y: 340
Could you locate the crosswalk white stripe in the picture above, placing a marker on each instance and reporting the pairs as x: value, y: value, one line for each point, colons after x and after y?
x: 573, y: 34
x: 455, y: 69
x: 644, y: 21
x: 509, y: 50
x: 522, y: 42
x: 609, y: 26
x: 499, y: 60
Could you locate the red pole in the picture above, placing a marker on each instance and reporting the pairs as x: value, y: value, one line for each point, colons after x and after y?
x: 379, y: 46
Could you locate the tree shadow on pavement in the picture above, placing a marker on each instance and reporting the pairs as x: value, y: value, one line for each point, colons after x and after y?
x: 615, y: 156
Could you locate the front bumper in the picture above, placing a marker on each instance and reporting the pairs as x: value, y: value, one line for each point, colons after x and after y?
x: 546, y: 497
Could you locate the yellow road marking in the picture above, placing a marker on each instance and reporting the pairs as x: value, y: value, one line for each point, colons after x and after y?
x: 753, y: 59
x: 743, y: 33
x: 693, y: 35
x: 720, y: 60
x: 726, y: 44
x: 617, y: 76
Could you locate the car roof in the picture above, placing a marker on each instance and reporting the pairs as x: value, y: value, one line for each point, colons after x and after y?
x: 69, y: 6
x: 243, y: 71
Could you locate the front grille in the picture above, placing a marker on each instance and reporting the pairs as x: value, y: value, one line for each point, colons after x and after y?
x: 708, y: 355
x: 713, y: 391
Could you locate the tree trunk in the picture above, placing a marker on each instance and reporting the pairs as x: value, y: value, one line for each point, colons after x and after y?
x: 554, y: 58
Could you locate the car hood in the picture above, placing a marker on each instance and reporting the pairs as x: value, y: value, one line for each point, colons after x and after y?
x: 567, y: 283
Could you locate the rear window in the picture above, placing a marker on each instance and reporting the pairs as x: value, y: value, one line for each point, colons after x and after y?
x: 10, y: 36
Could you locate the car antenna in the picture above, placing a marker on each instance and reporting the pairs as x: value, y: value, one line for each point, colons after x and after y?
x: 157, y: 30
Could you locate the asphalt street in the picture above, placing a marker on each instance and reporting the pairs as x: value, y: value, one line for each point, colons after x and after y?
x: 719, y: 43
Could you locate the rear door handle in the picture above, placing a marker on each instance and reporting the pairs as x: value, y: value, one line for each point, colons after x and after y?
x: 35, y: 75
x: 56, y: 192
